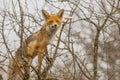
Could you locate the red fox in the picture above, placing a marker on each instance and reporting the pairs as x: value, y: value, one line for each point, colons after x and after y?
x: 34, y: 45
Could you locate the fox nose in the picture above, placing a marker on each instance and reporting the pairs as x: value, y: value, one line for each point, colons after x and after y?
x: 54, y: 26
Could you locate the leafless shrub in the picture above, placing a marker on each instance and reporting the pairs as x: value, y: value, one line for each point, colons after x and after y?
x: 86, y: 48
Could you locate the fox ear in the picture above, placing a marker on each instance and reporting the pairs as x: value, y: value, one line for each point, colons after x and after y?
x: 45, y: 14
x: 60, y: 13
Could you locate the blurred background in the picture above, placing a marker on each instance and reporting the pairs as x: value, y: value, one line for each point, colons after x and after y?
x: 89, y: 46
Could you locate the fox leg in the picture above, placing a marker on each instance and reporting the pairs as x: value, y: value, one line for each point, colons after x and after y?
x: 19, y: 72
x: 50, y: 61
x: 27, y: 69
x: 39, y: 62
x: 29, y: 64
x: 46, y: 53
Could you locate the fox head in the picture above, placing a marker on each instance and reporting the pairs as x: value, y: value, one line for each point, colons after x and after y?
x: 53, y: 21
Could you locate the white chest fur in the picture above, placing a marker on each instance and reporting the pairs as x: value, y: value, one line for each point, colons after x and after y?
x: 51, y: 39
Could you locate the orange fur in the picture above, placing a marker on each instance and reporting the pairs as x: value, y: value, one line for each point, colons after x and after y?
x: 35, y: 45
